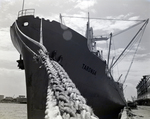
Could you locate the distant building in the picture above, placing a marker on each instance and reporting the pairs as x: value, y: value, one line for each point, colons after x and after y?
x: 22, y: 99
x: 21, y: 96
x: 1, y: 97
x: 143, y: 90
x: 7, y: 99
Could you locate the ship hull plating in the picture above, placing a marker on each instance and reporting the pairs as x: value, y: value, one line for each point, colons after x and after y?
x: 85, y: 69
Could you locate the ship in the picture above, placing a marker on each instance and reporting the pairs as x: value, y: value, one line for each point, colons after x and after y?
x: 51, y: 51
x: 143, y: 91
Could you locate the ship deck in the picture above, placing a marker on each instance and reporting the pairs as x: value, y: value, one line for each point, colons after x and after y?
x: 142, y: 112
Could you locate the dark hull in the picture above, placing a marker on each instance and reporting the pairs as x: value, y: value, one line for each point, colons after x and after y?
x: 85, y: 69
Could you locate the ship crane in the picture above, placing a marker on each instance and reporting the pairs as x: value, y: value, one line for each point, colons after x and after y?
x: 141, y: 30
x: 91, y: 41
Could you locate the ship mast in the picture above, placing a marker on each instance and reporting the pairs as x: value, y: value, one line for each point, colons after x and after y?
x: 89, y: 36
x: 22, y: 7
x: 109, y: 50
x: 60, y: 16
x: 87, y: 33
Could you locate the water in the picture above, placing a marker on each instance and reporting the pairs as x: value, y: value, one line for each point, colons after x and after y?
x: 19, y: 111
x: 13, y: 111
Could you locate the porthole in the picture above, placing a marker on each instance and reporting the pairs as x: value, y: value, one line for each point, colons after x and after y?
x: 26, y: 23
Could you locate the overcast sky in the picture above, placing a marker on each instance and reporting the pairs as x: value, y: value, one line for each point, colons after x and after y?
x: 12, y: 80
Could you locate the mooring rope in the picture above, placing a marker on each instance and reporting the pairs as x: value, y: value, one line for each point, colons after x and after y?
x: 64, y: 100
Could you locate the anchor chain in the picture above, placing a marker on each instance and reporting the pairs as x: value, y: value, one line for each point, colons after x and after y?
x: 63, y: 101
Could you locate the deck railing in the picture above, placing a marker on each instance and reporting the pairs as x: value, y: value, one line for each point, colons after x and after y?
x: 26, y: 12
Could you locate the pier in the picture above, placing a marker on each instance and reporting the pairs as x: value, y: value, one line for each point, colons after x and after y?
x: 142, y: 112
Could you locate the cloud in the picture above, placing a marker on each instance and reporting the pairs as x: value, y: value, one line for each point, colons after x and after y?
x: 9, y: 72
x: 142, y: 57
x: 135, y: 74
x: 50, y: 9
x: 6, y: 64
x: 137, y: 71
x: 8, y: 13
x: 12, y: 82
x: 77, y: 24
x: 7, y: 50
x: 84, y: 4
x: 116, y: 24
x: 5, y: 41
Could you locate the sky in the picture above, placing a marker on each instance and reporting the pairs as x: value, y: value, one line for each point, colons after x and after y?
x: 12, y: 80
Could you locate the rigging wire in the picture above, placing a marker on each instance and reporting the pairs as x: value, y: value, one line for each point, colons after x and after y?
x: 114, y: 48
x: 128, y: 51
x: 134, y: 54
x: 129, y: 28
x: 139, y: 22
x: 29, y: 49
x: 129, y: 43
x: 102, y: 18
x: 130, y: 47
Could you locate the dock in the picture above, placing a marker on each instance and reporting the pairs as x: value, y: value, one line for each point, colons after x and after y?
x: 142, y: 112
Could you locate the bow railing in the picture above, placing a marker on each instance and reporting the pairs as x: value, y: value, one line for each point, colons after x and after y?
x: 26, y: 12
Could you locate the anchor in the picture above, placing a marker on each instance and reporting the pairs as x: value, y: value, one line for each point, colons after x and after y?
x: 20, y: 63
